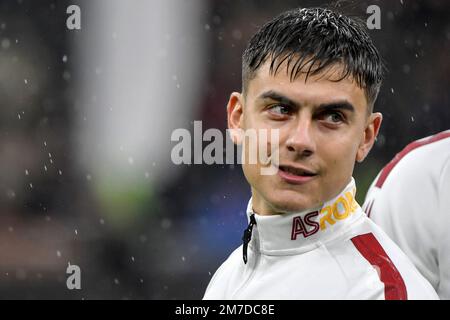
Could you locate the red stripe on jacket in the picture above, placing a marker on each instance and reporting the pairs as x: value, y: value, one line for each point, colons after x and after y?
x: 373, y: 252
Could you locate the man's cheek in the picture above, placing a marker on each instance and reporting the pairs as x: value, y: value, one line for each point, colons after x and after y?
x: 270, y: 156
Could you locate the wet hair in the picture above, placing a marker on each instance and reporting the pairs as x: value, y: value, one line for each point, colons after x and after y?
x: 311, y: 40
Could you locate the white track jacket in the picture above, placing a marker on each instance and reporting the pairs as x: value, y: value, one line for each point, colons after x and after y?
x: 332, y: 252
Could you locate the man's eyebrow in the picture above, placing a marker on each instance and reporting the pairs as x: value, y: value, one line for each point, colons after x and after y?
x: 340, y: 105
x: 273, y: 95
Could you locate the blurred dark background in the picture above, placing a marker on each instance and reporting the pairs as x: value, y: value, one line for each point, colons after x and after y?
x: 162, y: 233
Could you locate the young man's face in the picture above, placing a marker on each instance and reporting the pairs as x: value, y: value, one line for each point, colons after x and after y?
x: 324, y: 127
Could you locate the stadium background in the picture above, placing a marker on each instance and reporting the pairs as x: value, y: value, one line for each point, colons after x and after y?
x: 85, y: 123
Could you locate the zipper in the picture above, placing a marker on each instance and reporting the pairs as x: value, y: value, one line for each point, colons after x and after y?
x: 246, y: 240
x: 247, y: 237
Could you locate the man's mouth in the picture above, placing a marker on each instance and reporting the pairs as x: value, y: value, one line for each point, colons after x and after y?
x: 296, y: 175
x: 297, y: 171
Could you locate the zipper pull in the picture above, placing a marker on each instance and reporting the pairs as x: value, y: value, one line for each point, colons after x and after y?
x: 248, y: 236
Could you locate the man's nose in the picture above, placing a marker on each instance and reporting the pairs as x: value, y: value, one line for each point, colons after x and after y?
x: 301, y: 138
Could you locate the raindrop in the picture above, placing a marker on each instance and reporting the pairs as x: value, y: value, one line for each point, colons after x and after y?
x: 390, y: 15
x: 142, y: 238
x: 66, y: 75
x: 216, y: 19
x: 88, y: 177
x: 10, y: 194
x: 64, y: 58
x: 116, y: 281
x: 392, y: 90
x: 25, y: 80
x: 380, y: 140
x: 166, y: 223
x: 26, y: 172
x: 6, y: 43
x: 58, y: 254
x: 102, y: 221
x: 237, y: 34
x: 21, y: 274
x: 130, y: 160
x: 406, y: 68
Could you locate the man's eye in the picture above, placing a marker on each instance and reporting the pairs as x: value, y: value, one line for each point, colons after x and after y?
x: 280, y: 109
x: 333, y: 117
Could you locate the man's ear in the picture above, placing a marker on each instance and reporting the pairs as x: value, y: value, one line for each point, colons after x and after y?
x: 235, y: 113
x: 370, y: 134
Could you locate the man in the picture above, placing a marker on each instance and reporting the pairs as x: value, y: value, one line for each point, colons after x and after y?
x: 313, y: 75
x: 410, y: 201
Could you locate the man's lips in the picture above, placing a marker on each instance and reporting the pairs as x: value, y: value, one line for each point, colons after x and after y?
x: 296, y: 175
x: 299, y: 171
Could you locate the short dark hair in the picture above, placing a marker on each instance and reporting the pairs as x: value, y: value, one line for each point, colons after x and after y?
x: 319, y: 38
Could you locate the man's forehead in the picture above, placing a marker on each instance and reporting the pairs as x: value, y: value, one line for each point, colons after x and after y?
x: 329, y: 81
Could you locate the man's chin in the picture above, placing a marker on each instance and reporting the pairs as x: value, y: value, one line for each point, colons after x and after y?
x: 289, y: 206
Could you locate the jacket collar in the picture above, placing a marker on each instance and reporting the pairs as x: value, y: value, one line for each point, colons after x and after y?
x: 293, y: 233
